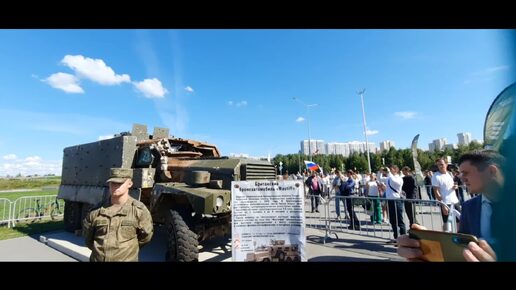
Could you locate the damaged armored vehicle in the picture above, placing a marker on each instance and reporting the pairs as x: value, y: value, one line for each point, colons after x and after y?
x: 185, y: 184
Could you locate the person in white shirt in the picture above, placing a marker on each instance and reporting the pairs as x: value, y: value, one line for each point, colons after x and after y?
x: 326, y: 185
x: 444, y: 188
x: 337, y: 181
x: 373, y: 192
x: 396, y: 207
x: 382, y: 177
x: 363, y: 182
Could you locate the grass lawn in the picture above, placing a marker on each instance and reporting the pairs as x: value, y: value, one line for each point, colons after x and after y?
x: 25, y: 229
x: 14, y: 183
x: 12, y: 196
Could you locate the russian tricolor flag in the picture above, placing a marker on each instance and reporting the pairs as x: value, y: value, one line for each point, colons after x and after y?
x: 311, y: 165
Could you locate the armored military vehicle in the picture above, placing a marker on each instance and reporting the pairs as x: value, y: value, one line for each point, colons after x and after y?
x: 186, y: 184
x: 276, y: 252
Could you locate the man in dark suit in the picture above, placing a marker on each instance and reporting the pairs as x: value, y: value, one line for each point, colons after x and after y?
x: 481, y: 172
x: 410, y: 189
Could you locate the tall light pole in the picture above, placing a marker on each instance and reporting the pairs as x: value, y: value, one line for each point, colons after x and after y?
x: 308, y: 120
x: 361, y: 93
x: 299, y: 161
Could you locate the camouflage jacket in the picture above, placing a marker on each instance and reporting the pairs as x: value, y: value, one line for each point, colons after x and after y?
x: 117, y: 235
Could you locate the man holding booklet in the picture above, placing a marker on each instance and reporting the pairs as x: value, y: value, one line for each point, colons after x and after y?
x: 481, y: 173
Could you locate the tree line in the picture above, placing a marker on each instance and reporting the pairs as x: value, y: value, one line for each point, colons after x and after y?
x: 358, y: 161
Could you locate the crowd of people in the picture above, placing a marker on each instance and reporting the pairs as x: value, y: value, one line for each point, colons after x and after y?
x: 479, y: 174
x: 391, y: 192
x: 130, y: 222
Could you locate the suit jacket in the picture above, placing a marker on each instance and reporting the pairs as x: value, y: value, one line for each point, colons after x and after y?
x: 409, y: 186
x: 470, y: 216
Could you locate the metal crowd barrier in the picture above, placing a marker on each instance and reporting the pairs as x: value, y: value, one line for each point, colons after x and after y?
x: 5, y: 212
x: 30, y: 208
x: 426, y: 213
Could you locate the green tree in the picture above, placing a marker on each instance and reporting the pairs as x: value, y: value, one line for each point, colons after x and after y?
x: 357, y: 161
x: 400, y: 157
x: 425, y: 159
x: 376, y: 162
x: 390, y: 157
x: 405, y: 158
x: 474, y: 145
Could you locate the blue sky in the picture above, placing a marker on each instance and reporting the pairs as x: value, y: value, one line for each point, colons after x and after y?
x: 235, y: 88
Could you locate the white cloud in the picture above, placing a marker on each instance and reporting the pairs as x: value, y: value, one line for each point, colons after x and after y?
x: 66, y: 82
x: 491, y: 70
x: 237, y: 155
x: 172, y: 111
x: 33, y: 159
x: 405, y: 115
x: 238, y: 104
x: 94, y: 69
x: 151, y: 88
x: 189, y: 89
x: 486, y: 74
x: 300, y: 119
x: 10, y: 157
x: 105, y: 137
x: 372, y: 132
x: 30, y: 166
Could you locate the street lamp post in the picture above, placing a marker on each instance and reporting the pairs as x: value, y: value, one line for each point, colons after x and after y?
x: 308, y: 120
x: 361, y: 93
x: 299, y: 161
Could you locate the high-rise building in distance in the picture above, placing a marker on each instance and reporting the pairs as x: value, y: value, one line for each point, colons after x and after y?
x: 464, y: 138
x: 386, y: 145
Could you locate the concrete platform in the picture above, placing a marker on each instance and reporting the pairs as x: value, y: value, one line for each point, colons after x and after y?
x: 347, y: 248
x: 73, y: 246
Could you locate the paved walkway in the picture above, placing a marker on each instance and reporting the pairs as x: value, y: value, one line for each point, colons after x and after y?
x: 29, y: 249
x: 369, y: 244
x: 64, y: 246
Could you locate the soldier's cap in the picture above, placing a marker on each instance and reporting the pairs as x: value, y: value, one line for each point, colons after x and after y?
x: 120, y: 175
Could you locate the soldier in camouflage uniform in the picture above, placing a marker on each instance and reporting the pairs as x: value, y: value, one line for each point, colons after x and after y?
x: 117, y: 229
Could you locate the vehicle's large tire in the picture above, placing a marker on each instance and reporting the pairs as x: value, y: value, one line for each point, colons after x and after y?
x: 182, y: 242
x: 72, y: 216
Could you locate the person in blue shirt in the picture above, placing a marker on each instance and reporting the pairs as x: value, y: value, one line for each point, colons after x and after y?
x: 348, y: 189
